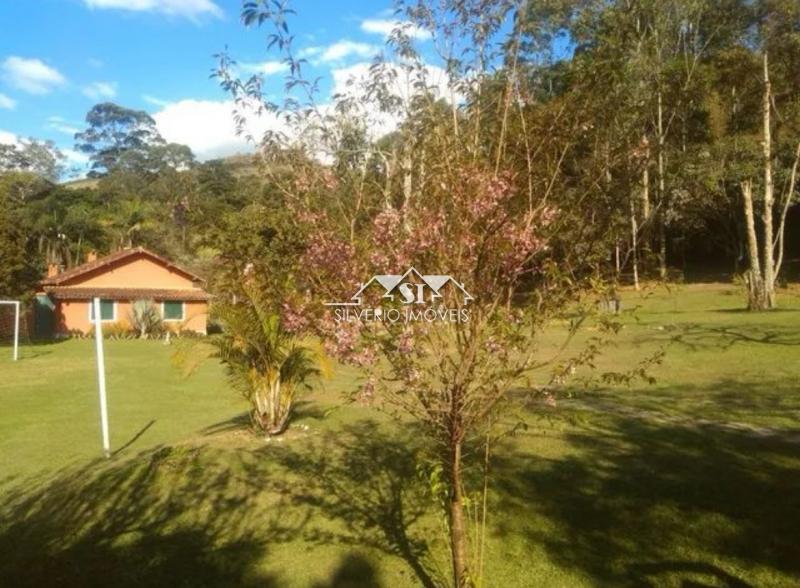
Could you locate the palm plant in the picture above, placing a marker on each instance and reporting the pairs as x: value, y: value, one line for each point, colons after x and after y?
x: 144, y: 317
x: 265, y: 362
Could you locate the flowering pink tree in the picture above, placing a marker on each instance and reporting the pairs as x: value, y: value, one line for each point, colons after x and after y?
x: 449, y: 374
x: 446, y: 193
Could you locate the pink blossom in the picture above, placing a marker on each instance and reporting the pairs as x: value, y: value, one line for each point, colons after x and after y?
x: 295, y: 319
x: 405, y: 344
x: 493, y: 346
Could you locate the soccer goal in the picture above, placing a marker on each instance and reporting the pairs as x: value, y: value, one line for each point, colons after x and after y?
x: 9, y: 322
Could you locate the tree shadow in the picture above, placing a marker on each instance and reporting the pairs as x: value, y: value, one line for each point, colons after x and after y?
x: 651, y: 573
x: 697, y: 336
x: 354, y: 571
x: 135, y: 438
x: 761, y: 408
x: 365, y: 479
x: 306, y: 409
x: 170, y: 517
x: 236, y: 423
x: 637, y: 503
x: 746, y: 311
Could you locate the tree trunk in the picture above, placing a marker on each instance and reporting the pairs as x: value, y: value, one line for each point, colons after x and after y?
x: 769, y: 196
x: 634, y: 245
x: 755, y: 284
x: 662, y: 204
x: 458, y: 531
x: 646, y: 184
x: 786, y: 204
x: 408, y: 187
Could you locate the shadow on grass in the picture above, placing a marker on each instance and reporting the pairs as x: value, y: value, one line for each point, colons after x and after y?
x: 365, y: 479
x: 209, y: 517
x: 702, y: 336
x: 241, y: 422
x: 303, y: 410
x: 746, y: 311
x: 354, y: 571
x: 134, y: 439
x: 643, y: 504
x: 172, y: 517
x: 763, y: 407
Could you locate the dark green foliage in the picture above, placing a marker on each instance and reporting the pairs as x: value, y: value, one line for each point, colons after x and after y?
x: 18, y: 269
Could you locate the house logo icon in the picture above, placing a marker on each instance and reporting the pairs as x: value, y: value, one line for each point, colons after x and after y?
x: 412, y: 287
x: 420, y: 298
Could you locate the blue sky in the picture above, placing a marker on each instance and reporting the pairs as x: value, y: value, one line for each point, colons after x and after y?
x: 59, y: 57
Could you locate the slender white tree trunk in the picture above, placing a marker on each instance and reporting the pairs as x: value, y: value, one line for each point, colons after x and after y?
x: 769, y: 195
x: 755, y: 289
x: 662, y: 204
x: 646, y: 183
x: 786, y: 203
x: 634, y: 244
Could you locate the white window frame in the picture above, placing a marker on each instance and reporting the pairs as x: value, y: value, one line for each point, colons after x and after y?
x: 183, y: 312
x: 102, y: 320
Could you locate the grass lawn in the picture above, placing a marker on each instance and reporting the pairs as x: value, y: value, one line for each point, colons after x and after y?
x: 691, y: 482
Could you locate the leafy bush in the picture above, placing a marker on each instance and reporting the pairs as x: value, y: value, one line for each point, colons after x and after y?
x: 116, y: 330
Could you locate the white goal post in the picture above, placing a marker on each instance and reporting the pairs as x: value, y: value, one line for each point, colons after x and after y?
x: 15, y: 304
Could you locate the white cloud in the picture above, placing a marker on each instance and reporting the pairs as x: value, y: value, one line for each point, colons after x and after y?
x: 380, y: 26
x: 191, y: 9
x: 267, y: 67
x: 62, y: 126
x: 350, y: 82
x: 7, y: 138
x: 207, y: 127
x: 98, y: 90
x: 75, y: 158
x: 338, y: 51
x: 7, y: 103
x: 31, y: 75
x: 150, y: 99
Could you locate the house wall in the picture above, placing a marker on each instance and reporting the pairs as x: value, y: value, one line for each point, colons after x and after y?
x: 196, y: 313
x: 137, y: 271
x: 73, y: 315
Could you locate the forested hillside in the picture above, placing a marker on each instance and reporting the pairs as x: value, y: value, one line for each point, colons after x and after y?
x: 648, y: 122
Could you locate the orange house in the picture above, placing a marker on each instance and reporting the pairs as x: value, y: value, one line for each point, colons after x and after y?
x: 118, y: 280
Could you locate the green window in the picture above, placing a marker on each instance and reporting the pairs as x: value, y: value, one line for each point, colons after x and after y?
x: 107, y: 310
x: 173, y: 310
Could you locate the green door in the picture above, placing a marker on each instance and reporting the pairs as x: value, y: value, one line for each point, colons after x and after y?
x: 45, y: 312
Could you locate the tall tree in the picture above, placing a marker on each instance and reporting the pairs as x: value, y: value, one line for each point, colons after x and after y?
x: 115, y: 132
x: 42, y: 158
x: 500, y: 187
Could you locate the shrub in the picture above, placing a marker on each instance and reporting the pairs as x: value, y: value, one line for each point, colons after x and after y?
x: 146, y: 319
x: 117, y: 330
x: 265, y: 362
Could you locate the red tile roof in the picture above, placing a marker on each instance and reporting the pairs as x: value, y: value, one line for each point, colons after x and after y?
x: 110, y: 259
x: 69, y: 293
